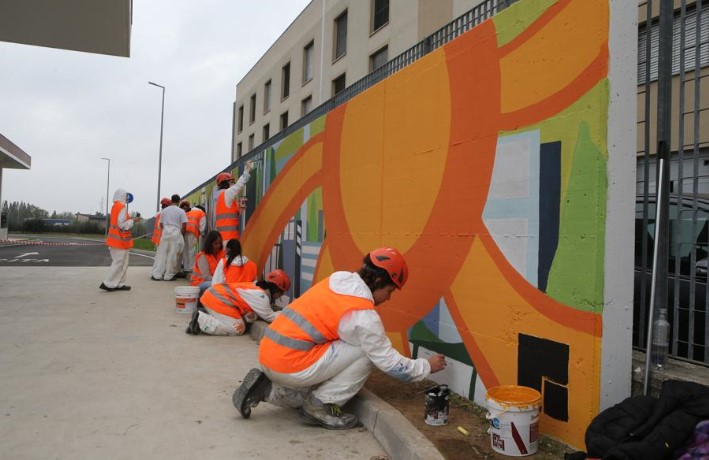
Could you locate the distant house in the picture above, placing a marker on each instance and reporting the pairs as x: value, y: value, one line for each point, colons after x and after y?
x: 98, y: 219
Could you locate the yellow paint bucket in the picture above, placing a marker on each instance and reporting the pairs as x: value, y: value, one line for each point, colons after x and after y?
x: 513, y: 412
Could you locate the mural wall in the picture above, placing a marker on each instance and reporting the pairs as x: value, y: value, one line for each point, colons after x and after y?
x: 484, y: 163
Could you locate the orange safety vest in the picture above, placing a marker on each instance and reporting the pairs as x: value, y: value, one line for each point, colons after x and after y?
x: 212, y: 260
x: 118, y: 238
x: 193, y: 218
x: 223, y: 299
x: 227, y: 218
x: 157, y: 231
x: 303, y: 332
x: 236, y: 274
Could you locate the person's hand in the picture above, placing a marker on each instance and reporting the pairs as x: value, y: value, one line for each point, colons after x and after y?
x: 437, y: 362
x: 249, y: 166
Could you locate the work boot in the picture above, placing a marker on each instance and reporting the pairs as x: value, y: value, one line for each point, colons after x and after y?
x: 254, y: 389
x: 326, y: 415
x: 193, y: 327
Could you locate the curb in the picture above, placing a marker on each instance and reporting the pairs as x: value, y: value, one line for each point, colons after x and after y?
x: 399, y: 438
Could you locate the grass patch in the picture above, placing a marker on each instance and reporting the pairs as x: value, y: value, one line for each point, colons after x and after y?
x: 144, y: 244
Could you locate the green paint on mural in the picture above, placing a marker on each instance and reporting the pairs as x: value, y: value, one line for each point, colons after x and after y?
x: 317, y: 126
x: 576, y: 276
x: 315, y: 208
x: 512, y: 21
x: 289, y: 145
x: 422, y: 336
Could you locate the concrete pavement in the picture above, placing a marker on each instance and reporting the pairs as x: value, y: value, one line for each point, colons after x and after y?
x: 92, y: 374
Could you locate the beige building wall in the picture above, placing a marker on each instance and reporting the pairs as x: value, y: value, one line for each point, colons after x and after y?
x: 409, y: 22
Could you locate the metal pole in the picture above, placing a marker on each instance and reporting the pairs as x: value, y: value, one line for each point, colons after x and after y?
x: 162, y: 119
x: 108, y: 181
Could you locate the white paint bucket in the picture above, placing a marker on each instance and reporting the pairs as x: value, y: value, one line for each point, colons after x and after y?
x: 186, y: 298
x: 513, y: 412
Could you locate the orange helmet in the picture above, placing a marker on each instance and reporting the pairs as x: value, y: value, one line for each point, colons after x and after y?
x: 393, y: 262
x: 280, y: 279
x: 166, y: 202
x: 225, y: 176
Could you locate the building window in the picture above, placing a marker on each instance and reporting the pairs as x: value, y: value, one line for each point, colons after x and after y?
x: 285, y: 81
x: 378, y: 58
x: 284, y: 120
x: 338, y: 84
x: 252, y: 109
x: 306, y: 106
x: 238, y: 150
x: 251, y: 142
x: 240, y: 120
x: 340, y: 35
x: 308, y: 53
x: 380, y: 14
x: 267, y: 97
x: 266, y: 132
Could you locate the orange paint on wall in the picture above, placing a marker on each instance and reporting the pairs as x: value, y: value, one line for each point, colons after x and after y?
x: 495, y: 314
x: 554, y: 57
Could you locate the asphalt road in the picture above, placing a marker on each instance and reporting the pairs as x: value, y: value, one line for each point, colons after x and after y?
x: 51, y: 251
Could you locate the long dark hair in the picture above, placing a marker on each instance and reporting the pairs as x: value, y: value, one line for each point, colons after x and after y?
x: 209, y: 240
x: 233, y: 250
x: 267, y: 286
x: 374, y: 277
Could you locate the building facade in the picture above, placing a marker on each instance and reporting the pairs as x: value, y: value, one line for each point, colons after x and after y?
x: 329, y: 46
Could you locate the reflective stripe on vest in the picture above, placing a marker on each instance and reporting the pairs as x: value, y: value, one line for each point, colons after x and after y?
x: 157, y: 231
x: 302, y: 333
x: 239, y: 273
x: 117, y: 238
x: 193, y: 218
x: 227, y: 218
x: 223, y: 299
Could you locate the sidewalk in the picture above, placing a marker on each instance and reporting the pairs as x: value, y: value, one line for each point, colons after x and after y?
x: 92, y: 374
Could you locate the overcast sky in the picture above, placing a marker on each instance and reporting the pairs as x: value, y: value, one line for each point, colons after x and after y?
x: 68, y: 109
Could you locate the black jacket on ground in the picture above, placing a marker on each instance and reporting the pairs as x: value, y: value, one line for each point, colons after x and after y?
x: 647, y: 428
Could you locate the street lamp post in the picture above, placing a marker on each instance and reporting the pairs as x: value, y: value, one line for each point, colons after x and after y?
x: 108, y: 181
x: 162, y: 118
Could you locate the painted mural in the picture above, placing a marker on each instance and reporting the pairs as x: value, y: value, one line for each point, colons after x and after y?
x: 484, y: 163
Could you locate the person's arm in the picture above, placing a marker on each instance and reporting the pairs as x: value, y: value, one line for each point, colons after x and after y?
x: 232, y: 192
x: 260, y: 303
x: 203, y: 265
x: 364, y: 328
x: 203, y: 225
x: 218, y: 276
x: 183, y: 221
x: 124, y: 222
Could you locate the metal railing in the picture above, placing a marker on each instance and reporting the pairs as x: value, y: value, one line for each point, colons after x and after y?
x: 673, y: 66
x: 445, y: 34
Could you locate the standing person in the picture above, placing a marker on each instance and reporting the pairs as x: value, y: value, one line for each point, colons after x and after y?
x: 234, y: 267
x: 328, y: 338
x: 173, y: 222
x: 196, y: 227
x: 119, y: 242
x: 227, y: 206
x: 205, y: 264
x: 228, y: 307
x: 157, y: 231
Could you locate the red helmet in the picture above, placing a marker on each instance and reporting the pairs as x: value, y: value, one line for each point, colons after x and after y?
x: 225, y: 176
x: 166, y: 202
x: 280, y: 279
x: 393, y: 262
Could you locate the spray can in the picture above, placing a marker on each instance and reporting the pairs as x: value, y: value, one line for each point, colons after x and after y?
x: 436, y: 402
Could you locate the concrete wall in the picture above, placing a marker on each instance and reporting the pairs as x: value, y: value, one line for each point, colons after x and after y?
x: 498, y: 166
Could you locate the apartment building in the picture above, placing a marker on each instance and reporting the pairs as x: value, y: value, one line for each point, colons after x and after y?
x: 329, y: 46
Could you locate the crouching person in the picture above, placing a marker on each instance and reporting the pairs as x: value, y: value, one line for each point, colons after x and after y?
x: 326, y: 339
x: 226, y: 308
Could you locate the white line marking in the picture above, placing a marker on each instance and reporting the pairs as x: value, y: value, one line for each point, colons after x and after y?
x: 142, y: 255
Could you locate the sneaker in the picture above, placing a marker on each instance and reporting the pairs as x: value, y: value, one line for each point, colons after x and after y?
x: 170, y: 279
x: 106, y: 288
x: 193, y: 327
x: 329, y: 416
x: 125, y: 287
x: 154, y: 279
x: 254, y: 389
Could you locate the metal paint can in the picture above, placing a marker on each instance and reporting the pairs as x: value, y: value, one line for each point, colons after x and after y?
x: 436, y: 404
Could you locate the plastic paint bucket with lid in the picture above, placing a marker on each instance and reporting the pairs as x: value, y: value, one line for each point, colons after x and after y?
x: 513, y: 412
x: 186, y: 298
x: 436, y: 403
